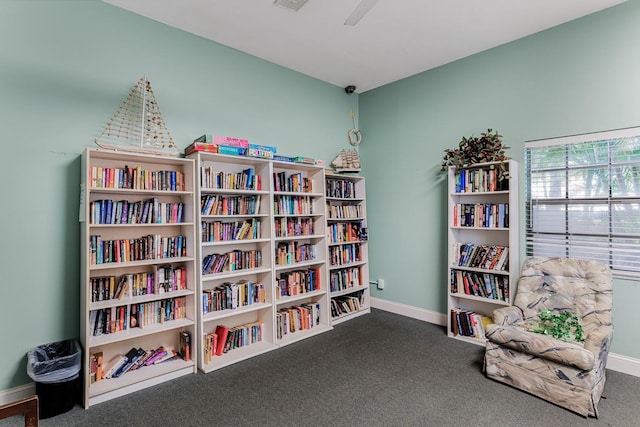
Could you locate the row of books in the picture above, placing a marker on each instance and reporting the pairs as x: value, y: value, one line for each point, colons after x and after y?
x: 165, y: 278
x: 106, y: 321
x: 150, y: 211
x: 296, y: 182
x: 158, y: 312
x: 289, y: 253
x: 219, y: 231
x: 345, y: 278
x: 230, y: 296
x: 480, y: 180
x: 298, y: 282
x: 484, y: 215
x: 231, y: 261
x: 293, y: 205
x: 152, y: 246
x: 345, y: 211
x: 341, y: 232
x: 289, y: 227
x: 225, y: 339
x: 346, y: 304
x: 229, y: 205
x: 244, y: 180
x: 137, y: 358
x: 136, y: 178
x: 488, y: 257
x: 345, y: 254
x: 297, y: 318
x: 469, y: 323
x: 341, y: 188
x: 483, y: 285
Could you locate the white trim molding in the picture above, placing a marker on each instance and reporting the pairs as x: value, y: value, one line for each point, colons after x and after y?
x: 410, y: 311
x: 17, y: 393
x: 615, y: 362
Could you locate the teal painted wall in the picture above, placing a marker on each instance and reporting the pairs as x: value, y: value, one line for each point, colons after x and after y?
x: 580, y: 77
x: 65, y: 67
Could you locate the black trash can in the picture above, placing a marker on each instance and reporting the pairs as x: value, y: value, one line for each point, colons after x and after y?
x: 55, y: 368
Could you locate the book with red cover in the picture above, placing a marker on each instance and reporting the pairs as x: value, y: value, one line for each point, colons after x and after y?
x: 222, y: 332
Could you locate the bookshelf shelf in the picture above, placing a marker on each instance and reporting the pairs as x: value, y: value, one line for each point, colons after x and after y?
x: 291, y: 299
x: 96, y: 305
x: 146, y: 262
x: 232, y: 274
x: 238, y: 355
x: 347, y: 247
x: 302, y: 335
x: 135, y: 333
x: 483, y: 254
x: 148, y: 376
x: 119, y: 248
x: 221, y: 314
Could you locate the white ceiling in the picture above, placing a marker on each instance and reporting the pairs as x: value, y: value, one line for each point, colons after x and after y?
x: 395, y: 39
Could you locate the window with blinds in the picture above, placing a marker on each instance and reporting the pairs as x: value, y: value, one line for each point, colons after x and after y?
x: 583, y: 198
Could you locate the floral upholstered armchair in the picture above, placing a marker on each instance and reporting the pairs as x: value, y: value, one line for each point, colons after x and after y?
x: 568, y: 373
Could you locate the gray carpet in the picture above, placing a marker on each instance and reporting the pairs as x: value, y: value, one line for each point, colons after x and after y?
x: 377, y: 370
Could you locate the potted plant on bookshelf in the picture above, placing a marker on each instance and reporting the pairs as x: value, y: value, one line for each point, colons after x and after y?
x: 486, y: 148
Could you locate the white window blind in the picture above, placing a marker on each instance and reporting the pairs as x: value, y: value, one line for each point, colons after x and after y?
x: 583, y: 198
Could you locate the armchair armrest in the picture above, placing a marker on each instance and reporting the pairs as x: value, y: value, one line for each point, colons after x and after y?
x: 507, y: 315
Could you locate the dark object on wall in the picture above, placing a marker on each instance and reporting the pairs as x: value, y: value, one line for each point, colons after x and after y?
x: 350, y: 89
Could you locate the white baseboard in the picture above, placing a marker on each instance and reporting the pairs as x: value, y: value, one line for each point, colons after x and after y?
x: 615, y: 362
x: 17, y: 393
x: 410, y: 311
x: 624, y: 364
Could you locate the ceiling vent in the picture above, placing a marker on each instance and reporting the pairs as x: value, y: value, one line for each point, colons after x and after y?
x: 294, y: 5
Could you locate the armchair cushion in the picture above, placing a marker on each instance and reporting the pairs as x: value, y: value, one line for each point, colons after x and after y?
x: 507, y: 315
x: 517, y: 337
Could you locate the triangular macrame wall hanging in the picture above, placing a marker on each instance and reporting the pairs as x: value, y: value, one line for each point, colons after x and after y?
x: 138, y: 125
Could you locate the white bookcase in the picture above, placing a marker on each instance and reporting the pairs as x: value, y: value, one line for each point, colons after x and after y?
x: 347, y: 236
x: 234, y: 216
x: 287, y: 238
x: 483, y: 260
x: 138, y: 267
x: 300, y: 251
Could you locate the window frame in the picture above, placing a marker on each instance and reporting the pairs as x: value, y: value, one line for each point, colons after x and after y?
x: 604, y: 246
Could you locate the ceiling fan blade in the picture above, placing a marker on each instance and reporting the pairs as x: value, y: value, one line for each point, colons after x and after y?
x: 360, y: 11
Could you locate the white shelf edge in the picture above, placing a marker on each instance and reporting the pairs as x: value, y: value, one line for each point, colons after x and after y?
x: 135, y: 333
x: 223, y: 314
x: 293, y: 337
x: 348, y: 316
x: 237, y: 355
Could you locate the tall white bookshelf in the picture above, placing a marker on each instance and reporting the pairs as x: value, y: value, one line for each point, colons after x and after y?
x: 234, y: 196
x: 300, y: 251
x: 282, y: 205
x: 483, y: 248
x: 347, y: 240
x: 138, y: 268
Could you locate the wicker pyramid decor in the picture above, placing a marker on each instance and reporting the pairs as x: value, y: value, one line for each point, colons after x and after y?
x: 138, y: 125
